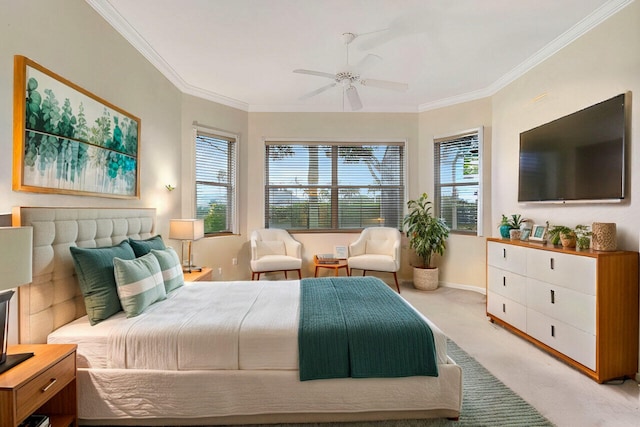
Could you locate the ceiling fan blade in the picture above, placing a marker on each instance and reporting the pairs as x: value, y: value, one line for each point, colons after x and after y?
x: 317, y: 91
x: 367, y: 62
x: 316, y: 73
x: 385, y: 84
x: 354, y: 98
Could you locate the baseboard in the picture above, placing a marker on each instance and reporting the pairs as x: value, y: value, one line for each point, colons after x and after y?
x: 477, y: 289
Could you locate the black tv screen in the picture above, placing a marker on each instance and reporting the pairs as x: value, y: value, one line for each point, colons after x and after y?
x: 579, y: 157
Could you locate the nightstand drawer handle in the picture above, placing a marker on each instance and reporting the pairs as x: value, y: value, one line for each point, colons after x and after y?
x: 51, y: 383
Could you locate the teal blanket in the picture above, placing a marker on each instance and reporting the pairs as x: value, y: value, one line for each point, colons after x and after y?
x: 358, y: 327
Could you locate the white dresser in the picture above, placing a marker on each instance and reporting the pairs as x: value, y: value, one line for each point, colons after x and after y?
x: 581, y: 306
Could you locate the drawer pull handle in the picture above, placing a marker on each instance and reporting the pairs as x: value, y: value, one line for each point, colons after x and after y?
x: 553, y: 296
x: 553, y: 331
x: 504, y: 281
x: 48, y: 386
x: 504, y: 308
x: 551, y: 263
x: 504, y: 252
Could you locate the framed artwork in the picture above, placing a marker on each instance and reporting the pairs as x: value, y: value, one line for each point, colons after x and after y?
x: 525, y: 233
x: 341, y: 252
x: 538, y: 233
x: 69, y: 141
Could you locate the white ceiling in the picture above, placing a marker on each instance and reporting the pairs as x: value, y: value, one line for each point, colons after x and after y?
x: 242, y: 53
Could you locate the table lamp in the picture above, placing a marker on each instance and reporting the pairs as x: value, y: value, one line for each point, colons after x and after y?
x: 187, y: 230
x: 15, y: 269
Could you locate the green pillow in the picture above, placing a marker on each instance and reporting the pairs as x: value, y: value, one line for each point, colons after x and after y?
x: 139, y: 283
x: 94, y: 267
x: 143, y: 247
x: 171, y: 268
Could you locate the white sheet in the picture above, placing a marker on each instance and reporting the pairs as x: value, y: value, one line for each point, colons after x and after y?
x: 256, y: 324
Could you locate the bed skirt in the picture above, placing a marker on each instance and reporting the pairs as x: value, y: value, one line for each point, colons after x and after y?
x: 139, y: 397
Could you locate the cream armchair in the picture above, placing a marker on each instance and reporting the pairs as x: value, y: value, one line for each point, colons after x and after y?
x: 273, y: 250
x: 377, y: 249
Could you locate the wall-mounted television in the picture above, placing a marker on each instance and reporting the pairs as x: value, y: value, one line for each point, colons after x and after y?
x: 576, y: 158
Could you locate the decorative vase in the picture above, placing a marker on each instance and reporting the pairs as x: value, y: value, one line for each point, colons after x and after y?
x: 515, y: 233
x: 504, y: 231
x: 603, y: 237
x: 425, y: 279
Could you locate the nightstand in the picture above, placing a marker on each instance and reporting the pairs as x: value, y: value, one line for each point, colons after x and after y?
x: 44, y: 384
x: 199, y: 276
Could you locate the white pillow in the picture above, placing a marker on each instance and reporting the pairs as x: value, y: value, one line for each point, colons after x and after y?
x: 270, y: 247
x: 139, y: 283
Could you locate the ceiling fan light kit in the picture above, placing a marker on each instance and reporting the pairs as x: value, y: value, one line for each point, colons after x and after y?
x: 351, y: 76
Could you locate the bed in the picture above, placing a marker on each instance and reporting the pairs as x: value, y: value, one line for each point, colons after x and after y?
x: 254, y: 380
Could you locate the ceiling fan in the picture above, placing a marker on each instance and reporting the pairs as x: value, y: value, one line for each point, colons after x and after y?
x: 351, y: 76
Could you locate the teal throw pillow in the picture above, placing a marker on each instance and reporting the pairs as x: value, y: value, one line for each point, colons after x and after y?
x: 143, y: 247
x: 94, y: 268
x: 171, y: 268
x: 139, y: 283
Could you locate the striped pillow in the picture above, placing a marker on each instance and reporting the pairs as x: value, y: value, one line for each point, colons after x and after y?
x: 139, y: 283
x: 170, y: 267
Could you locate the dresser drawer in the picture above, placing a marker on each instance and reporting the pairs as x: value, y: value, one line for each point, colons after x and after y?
x: 507, y: 284
x: 41, y: 388
x: 507, y: 257
x: 570, y: 271
x: 571, y: 307
x: 507, y: 310
x: 576, y: 344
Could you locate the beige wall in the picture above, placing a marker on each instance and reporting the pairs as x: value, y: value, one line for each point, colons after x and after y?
x: 601, y: 64
x: 81, y: 47
x: 462, y: 250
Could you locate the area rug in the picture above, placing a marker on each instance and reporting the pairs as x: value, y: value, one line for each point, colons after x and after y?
x: 486, y: 402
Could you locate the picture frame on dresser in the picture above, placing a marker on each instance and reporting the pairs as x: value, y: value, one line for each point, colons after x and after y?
x: 538, y: 233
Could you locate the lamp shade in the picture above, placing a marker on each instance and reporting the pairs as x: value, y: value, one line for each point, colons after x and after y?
x: 186, y: 229
x: 16, y: 246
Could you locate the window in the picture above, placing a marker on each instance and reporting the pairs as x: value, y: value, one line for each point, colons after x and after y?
x: 334, y: 186
x: 216, y: 181
x: 457, y: 180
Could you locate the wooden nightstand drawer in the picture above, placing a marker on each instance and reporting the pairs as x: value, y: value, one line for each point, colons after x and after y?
x: 41, y: 388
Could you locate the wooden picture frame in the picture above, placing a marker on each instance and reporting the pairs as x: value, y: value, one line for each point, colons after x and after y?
x: 538, y: 233
x: 67, y: 140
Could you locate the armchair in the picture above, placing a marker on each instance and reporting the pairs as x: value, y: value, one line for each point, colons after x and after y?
x: 273, y: 250
x: 377, y: 249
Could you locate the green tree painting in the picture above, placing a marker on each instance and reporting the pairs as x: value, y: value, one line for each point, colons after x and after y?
x: 73, y: 142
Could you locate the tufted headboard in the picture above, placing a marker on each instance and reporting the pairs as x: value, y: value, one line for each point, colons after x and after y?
x: 53, y: 298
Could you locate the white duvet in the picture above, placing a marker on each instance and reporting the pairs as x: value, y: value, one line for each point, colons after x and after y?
x: 248, y: 325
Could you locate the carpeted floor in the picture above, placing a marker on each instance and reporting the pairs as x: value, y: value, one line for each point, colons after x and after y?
x: 486, y: 402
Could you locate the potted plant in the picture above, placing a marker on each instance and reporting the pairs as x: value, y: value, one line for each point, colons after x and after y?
x: 427, y: 236
x: 510, y: 226
x: 583, y: 236
x: 561, y: 234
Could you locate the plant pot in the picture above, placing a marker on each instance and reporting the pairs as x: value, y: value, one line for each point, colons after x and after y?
x: 514, y: 234
x: 568, y: 240
x: 504, y: 231
x: 425, y: 279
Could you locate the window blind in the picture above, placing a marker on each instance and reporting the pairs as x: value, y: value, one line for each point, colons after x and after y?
x: 216, y: 182
x: 457, y: 180
x: 334, y: 186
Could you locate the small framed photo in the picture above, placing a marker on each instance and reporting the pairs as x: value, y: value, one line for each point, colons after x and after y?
x: 525, y: 233
x: 340, y: 252
x: 538, y: 233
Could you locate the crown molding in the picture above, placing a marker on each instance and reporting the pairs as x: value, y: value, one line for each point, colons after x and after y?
x: 120, y: 24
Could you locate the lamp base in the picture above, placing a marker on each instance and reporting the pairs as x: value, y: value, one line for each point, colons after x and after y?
x: 190, y: 268
x: 13, y: 360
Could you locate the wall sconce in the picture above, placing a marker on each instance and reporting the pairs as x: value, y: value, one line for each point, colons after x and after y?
x: 170, y: 187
